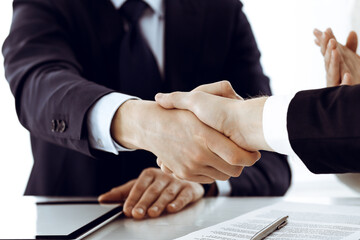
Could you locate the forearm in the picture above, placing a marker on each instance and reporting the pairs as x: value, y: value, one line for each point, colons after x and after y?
x: 48, y: 98
x: 322, y: 127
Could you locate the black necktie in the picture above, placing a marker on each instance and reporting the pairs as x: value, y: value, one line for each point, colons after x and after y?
x: 139, y: 72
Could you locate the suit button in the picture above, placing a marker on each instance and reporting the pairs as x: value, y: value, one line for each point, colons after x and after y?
x: 61, y: 126
x: 53, y: 125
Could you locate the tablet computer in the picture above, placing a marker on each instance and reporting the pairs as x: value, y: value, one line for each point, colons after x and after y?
x: 30, y: 218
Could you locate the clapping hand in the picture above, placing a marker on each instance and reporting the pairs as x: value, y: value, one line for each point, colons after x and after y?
x: 341, y: 62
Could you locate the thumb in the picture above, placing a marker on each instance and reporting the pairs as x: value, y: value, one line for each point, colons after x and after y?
x: 352, y: 41
x: 173, y: 100
x: 222, y: 89
x: 118, y: 194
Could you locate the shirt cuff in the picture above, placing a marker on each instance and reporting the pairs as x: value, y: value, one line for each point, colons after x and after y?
x: 224, y: 188
x: 99, y: 122
x: 275, y: 124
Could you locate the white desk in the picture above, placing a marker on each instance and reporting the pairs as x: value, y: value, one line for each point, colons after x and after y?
x: 205, y: 213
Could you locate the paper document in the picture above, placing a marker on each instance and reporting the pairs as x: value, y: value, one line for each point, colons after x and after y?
x: 305, y: 222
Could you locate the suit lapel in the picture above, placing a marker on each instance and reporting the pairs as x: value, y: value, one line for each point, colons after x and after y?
x: 183, y: 37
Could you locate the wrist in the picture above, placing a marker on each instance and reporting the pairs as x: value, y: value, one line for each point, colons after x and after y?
x: 250, y: 122
x: 135, y: 124
x: 123, y: 125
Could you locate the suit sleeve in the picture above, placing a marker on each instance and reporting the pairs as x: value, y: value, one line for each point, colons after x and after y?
x: 51, y: 94
x: 271, y: 175
x: 323, y: 128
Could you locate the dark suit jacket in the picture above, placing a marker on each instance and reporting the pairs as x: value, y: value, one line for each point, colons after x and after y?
x: 323, y: 127
x: 62, y: 55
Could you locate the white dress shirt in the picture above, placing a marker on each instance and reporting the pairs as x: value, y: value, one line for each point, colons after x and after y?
x: 102, y: 112
x: 275, y: 124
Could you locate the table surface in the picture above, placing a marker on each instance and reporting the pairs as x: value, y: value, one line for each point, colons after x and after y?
x: 205, y: 213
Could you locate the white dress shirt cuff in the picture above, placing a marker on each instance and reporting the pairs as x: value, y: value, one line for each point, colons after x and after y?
x: 275, y: 124
x: 99, y: 122
x: 224, y: 188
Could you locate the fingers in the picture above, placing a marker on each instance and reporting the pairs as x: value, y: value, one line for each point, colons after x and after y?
x: 327, y: 58
x: 166, y: 197
x: 145, y: 179
x: 352, y: 41
x: 184, y: 100
x: 232, y: 171
x: 221, y: 160
x: 325, y: 38
x: 154, y: 191
x: 322, y: 39
x: 224, y: 160
x: 186, y: 196
x: 118, y: 194
x: 172, y: 100
x: 333, y: 73
x: 347, y: 79
x: 317, y: 34
x: 230, y: 152
x: 222, y: 88
x: 151, y: 194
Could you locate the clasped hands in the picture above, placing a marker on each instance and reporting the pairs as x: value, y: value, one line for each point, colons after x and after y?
x: 199, y: 151
x: 219, y: 107
x: 195, y: 146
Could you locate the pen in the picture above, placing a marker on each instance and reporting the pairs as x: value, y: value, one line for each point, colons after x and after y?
x: 266, y: 231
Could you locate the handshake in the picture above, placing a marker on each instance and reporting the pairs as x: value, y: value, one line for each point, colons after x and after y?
x: 207, y: 134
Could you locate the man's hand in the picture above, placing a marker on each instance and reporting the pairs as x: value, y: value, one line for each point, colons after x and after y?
x: 341, y: 62
x: 152, y: 193
x: 183, y: 144
x: 239, y: 120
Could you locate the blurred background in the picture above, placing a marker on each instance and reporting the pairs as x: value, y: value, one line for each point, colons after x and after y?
x: 283, y: 29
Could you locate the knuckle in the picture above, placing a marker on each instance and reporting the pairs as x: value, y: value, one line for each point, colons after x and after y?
x: 193, y: 95
x: 155, y: 189
x: 225, y: 82
x: 158, y: 162
x: 226, y: 86
x: 148, y: 172
x: 208, y: 181
x: 224, y: 177
x: 181, y: 201
x: 173, y: 94
x: 170, y: 192
x: 238, y: 172
x: 254, y: 158
x: 234, y: 159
